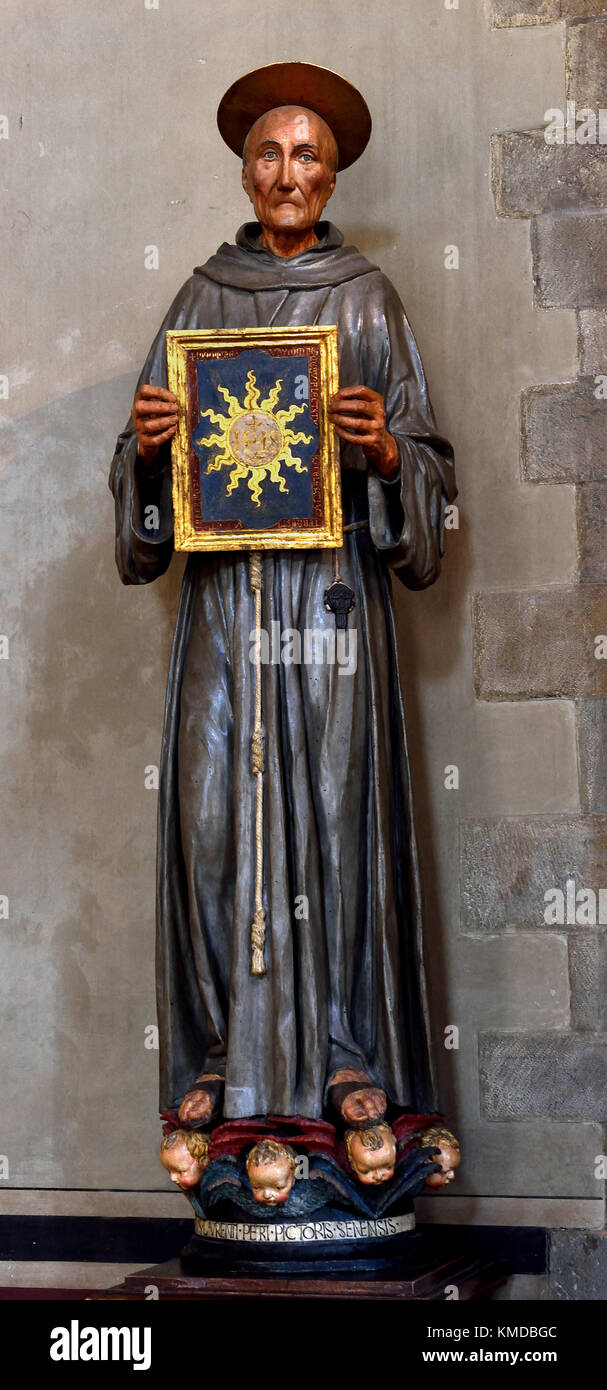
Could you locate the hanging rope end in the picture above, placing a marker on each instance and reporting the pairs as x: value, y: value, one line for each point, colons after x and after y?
x: 258, y: 936
x: 257, y: 965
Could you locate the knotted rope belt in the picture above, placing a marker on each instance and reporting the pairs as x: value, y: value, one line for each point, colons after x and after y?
x: 258, y: 927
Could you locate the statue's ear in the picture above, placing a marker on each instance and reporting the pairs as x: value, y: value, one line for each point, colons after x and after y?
x: 331, y: 188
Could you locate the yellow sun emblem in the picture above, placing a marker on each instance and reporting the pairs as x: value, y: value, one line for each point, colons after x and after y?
x: 254, y: 439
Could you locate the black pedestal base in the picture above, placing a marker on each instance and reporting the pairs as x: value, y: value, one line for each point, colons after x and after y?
x: 414, y: 1267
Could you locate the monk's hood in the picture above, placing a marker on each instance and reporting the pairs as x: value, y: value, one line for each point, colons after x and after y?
x: 249, y: 266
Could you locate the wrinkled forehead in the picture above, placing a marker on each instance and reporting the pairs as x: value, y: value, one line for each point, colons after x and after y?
x: 299, y: 123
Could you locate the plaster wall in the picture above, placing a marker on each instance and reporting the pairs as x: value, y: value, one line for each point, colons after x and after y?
x: 112, y: 148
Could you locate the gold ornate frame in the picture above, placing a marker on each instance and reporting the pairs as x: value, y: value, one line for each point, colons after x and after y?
x: 324, y: 529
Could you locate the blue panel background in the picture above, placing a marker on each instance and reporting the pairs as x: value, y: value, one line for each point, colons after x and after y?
x: 274, y: 505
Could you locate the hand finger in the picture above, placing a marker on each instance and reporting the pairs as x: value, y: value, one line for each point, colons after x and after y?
x: 358, y: 390
x: 366, y: 441
x: 148, y: 392
x: 354, y: 422
x: 366, y: 410
x: 361, y: 392
x: 154, y: 441
x: 163, y: 438
x: 156, y: 425
x: 355, y: 403
x: 154, y: 408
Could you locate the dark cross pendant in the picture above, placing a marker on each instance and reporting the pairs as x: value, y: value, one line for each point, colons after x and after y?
x: 340, y: 600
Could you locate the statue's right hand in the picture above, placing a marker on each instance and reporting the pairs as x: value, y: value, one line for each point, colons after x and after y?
x: 155, y: 417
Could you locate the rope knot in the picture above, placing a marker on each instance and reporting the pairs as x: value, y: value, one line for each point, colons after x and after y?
x: 255, y: 570
x: 258, y: 936
x: 257, y: 761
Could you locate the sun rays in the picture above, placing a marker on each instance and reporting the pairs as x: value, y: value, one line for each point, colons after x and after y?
x: 254, y: 440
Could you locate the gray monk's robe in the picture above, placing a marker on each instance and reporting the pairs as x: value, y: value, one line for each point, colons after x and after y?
x: 344, y: 984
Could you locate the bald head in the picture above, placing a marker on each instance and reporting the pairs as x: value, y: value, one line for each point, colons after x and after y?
x: 303, y: 122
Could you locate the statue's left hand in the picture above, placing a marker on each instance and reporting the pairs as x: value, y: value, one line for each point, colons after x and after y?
x: 358, y: 416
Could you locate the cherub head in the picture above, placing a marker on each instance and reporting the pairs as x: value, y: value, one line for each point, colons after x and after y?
x: 371, y: 1152
x: 449, y: 1157
x: 185, y: 1155
x: 271, y: 1172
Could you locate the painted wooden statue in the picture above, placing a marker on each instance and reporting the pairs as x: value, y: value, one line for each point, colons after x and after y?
x: 332, y: 1039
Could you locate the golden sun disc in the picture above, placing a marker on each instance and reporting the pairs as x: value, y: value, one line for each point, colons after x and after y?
x: 255, y: 438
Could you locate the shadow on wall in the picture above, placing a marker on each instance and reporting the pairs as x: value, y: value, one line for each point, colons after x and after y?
x: 83, y: 700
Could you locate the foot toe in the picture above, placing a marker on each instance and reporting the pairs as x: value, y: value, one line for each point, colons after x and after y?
x: 364, y: 1105
x: 196, y: 1105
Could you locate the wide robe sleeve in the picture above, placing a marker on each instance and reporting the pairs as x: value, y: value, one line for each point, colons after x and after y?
x: 143, y: 496
x: 407, y: 516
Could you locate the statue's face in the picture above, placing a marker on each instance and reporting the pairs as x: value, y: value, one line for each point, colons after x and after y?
x: 449, y: 1159
x: 271, y: 1183
x: 373, y: 1165
x: 184, y: 1170
x: 289, y: 173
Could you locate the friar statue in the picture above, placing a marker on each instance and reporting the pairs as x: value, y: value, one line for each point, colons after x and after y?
x: 337, y: 1026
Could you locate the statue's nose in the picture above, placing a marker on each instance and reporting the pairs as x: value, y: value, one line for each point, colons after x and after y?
x: 286, y: 180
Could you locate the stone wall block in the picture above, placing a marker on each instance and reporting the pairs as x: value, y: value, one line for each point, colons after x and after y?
x: 508, y: 865
x: 506, y: 14
x: 540, y: 643
x: 592, y: 340
x: 570, y: 260
x: 591, y: 517
x: 588, y: 981
x: 558, y: 1075
x: 586, y: 63
x: 531, y: 176
x: 563, y: 432
x: 591, y: 722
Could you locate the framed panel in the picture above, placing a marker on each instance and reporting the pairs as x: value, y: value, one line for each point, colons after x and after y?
x: 255, y: 462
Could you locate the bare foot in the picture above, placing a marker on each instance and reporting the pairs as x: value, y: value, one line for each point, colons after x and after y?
x: 198, y: 1105
x: 360, y: 1107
